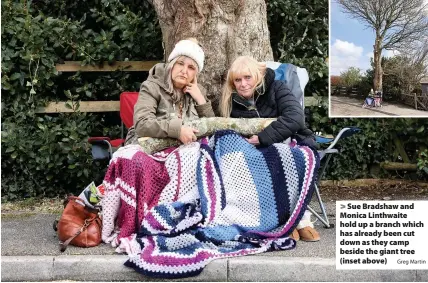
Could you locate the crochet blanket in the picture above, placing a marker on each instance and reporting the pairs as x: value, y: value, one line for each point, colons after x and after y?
x: 181, y: 208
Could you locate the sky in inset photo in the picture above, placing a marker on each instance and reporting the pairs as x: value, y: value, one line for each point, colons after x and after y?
x: 351, y: 42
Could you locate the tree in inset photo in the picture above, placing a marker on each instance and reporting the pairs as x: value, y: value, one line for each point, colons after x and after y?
x: 397, y: 24
x: 379, y: 49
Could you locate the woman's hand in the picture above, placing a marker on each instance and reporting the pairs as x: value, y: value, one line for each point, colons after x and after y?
x: 195, y: 92
x: 254, y: 140
x: 187, y: 134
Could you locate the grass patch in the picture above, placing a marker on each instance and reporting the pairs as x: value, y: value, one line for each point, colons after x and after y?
x: 34, y: 205
x: 5, y: 216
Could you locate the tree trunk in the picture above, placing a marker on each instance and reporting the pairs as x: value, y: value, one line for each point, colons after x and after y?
x: 377, y: 58
x: 226, y: 29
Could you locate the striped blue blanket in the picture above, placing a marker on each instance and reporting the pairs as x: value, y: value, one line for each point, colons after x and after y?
x: 238, y: 200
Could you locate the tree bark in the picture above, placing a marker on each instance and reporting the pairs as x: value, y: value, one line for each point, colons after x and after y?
x: 377, y: 58
x: 226, y: 29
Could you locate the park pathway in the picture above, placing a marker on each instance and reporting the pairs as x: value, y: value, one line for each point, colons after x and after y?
x: 341, y: 106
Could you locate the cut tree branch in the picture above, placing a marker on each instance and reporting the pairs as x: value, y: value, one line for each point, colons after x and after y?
x: 207, y: 127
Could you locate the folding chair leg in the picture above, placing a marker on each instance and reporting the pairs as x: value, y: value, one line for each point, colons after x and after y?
x: 345, y: 132
x: 321, y: 174
x: 324, y: 218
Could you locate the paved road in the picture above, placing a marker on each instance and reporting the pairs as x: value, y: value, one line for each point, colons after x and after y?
x: 341, y: 106
x: 36, y: 237
x: 30, y: 253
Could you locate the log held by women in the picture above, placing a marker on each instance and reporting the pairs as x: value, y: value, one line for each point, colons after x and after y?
x: 207, y: 127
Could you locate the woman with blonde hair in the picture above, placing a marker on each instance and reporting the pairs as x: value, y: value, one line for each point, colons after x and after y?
x: 251, y: 91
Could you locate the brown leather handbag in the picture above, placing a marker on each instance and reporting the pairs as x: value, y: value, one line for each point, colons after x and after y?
x: 79, y: 225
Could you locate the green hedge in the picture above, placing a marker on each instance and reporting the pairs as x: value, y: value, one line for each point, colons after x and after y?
x: 48, y: 154
x: 299, y: 35
x: 361, y: 154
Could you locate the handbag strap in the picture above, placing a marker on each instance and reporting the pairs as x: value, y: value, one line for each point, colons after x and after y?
x: 63, y: 245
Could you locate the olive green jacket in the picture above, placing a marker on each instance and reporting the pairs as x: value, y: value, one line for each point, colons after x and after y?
x: 155, y: 113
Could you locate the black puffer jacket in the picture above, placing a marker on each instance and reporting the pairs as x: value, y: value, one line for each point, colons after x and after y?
x: 275, y: 101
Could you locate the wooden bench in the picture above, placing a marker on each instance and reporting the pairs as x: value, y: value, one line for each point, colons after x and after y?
x: 108, y: 106
x: 95, y: 106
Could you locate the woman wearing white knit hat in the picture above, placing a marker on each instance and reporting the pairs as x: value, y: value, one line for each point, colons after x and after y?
x: 171, y: 95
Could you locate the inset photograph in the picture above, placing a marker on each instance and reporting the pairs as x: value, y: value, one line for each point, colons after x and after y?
x: 379, y: 58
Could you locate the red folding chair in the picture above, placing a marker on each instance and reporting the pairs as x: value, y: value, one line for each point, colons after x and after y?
x: 103, y: 147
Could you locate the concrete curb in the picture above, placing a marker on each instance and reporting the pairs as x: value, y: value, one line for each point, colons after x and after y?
x: 249, y: 268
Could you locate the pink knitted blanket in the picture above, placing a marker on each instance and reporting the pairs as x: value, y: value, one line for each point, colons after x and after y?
x: 183, y: 207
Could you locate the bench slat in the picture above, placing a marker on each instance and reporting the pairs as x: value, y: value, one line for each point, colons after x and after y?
x: 85, y: 106
x: 131, y: 66
x: 110, y: 106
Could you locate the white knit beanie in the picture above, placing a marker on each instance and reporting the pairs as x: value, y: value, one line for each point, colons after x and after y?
x: 190, y: 49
